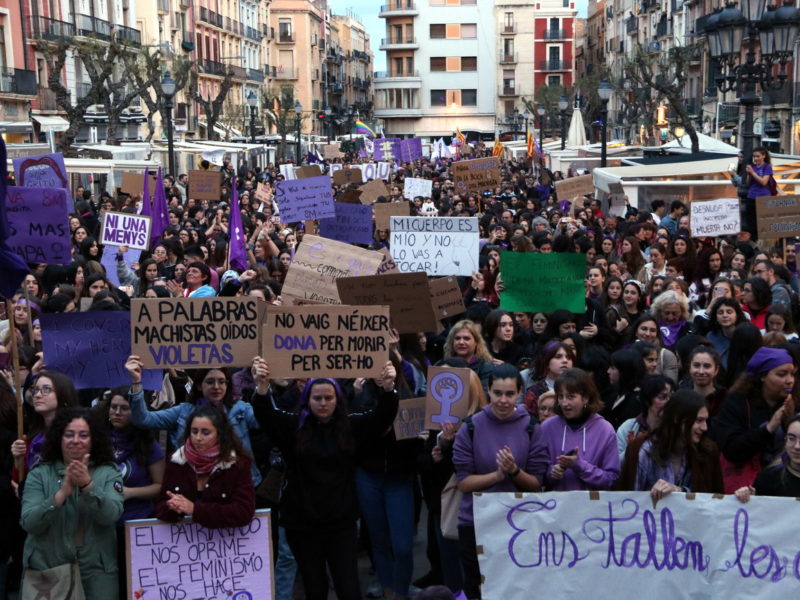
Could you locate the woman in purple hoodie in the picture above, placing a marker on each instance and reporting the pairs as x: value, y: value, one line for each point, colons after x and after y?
x: 581, y: 443
x: 499, y: 449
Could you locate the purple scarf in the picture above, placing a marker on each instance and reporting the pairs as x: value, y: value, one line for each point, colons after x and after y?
x: 669, y: 333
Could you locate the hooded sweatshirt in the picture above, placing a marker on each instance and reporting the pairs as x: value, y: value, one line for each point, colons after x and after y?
x: 475, y: 454
x: 597, y: 467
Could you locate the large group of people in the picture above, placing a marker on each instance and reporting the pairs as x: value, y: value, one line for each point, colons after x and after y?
x: 679, y: 376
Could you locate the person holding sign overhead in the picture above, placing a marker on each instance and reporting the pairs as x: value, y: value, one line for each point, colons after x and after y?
x: 319, y: 507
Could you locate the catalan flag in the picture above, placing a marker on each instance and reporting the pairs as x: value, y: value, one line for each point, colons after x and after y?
x: 498, y: 148
x: 460, y: 136
x: 362, y: 127
x: 530, y: 144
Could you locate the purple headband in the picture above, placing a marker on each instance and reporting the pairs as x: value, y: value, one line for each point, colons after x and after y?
x: 306, y: 394
x: 765, y: 359
x: 33, y: 305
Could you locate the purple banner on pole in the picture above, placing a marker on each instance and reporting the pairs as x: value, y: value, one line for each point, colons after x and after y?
x: 38, y: 221
x: 43, y: 171
x: 305, y: 199
x: 352, y: 224
x: 412, y: 149
x: 387, y: 149
x: 91, y: 348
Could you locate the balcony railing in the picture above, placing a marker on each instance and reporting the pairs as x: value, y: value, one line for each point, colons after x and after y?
x: 285, y: 37
x: 555, y: 65
x: 509, y: 59
x: 212, y: 67
x: 782, y: 95
x: 507, y: 90
x: 398, y: 40
x: 631, y: 24
x: 509, y: 28
x: 361, y: 55
x: 255, y: 75
x: 252, y: 33
x: 284, y: 73
x: 398, y: 5
x: 555, y: 34
x: 129, y: 34
x: 47, y: 99
x: 238, y: 72
x: 89, y: 26
x: 45, y: 28
x: 17, y: 81
x: 662, y: 28
x: 386, y: 74
x: 336, y: 88
x: 269, y: 32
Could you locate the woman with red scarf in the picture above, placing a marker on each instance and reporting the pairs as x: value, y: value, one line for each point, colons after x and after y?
x: 208, y: 478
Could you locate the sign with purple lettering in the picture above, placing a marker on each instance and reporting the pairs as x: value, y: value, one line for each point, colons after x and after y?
x: 186, y: 560
x: 38, y: 221
x: 410, y: 149
x: 125, y: 229
x: 305, y: 199
x: 685, y: 546
x: 352, y: 224
x: 387, y: 149
x: 91, y: 348
x: 42, y: 171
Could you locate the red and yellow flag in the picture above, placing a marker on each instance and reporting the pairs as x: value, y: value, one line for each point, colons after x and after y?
x: 530, y: 144
x: 460, y: 136
x: 498, y: 148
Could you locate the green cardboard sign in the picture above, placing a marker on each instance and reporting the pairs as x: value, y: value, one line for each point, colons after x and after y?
x: 543, y: 282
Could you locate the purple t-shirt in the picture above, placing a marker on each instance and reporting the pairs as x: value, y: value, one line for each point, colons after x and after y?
x: 756, y: 190
x: 134, y: 474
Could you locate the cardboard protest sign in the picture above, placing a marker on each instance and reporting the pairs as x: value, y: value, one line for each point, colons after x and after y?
x: 446, y: 297
x: 91, y: 348
x: 410, y: 420
x: 326, y: 341
x: 694, y: 545
x: 318, y: 263
x: 778, y: 216
x: 476, y: 175
x: 352, y: 224
x: 447, y: 399
x: 435, y: 245
x: 133, y: 184
x: 351, y: 197
x: 196, y: 332
x: 125, y: 229
x: 42, y: 171
x: 263, y: 192
x: 186, y: 560
x: 384, y: 211
x: 331, y: 151
x: 204, y: 185
x: 306, y: 172
x: 567, y: 189
x: 387, y: 263
x: 386, y: 149
x: 543, y: 282
x: 415, y: 186
x: 38, y: 224
x: 406, y: 294
x: 370, y: 192
x: 304, y: 199
x: 713, y: 218
x: 346, y: 176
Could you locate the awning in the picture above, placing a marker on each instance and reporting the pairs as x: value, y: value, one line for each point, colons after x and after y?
x: 16, y: 127
x: 56, y: 124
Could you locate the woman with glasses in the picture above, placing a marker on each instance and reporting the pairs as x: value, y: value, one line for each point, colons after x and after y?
x: 208, y: 386
x: 783, y: 478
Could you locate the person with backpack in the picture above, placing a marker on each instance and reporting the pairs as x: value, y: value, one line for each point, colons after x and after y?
x: 500, y: 449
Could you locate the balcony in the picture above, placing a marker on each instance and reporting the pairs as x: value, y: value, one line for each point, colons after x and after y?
x: 508, y: 91
x: 269, y: 32
x: 336, y: 88
x: 17, y: 81
x: 407, y: 78
x: 212, y: 67
x: 632, y: 25
x: 88, y: 26
x: 129, y: 35
x: 555, y: 34
x: 783, y: 95
x: 285, y: 37
x: 238, y: 72
x: 45, y: 28
x: 284, y: 73
x: 399, y: 43
x: 663, y: 28
x: 255, y: 75
x: 398, y: 8
x: 555, y: 65
x: 649, y: 5
x: 47, y: 100
x: 361, y: 55
x: 253, y: 34
x: 508, y: 29
x: 509, y: 59
x: 163, y: 6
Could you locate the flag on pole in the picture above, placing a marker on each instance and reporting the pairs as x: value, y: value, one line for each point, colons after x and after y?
x: 460, y: 136
x: 498, y: 148
x: 362, y: 127
x: 160, y: 214
x: 147, y: 207
x: 237, y: 252
x: 530, y: 142
x: 12, y: 268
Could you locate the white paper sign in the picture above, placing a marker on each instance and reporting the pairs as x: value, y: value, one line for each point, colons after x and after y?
x: 125, y: 229
x: 287, y: 171
x: 415, y: 186
x: 437, y: 246
x: 566, y: 545
x: 383, y: 170
x: 713, y: 218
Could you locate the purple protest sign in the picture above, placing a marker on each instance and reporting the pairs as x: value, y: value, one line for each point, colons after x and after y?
x: 352, y: 224
x: 387, y: 149
x: 109, y: 261
x: 91, y: 348
x: 305, y: 199
x: 412, y: 149
x: 42, y: 171
x: 38, y: 221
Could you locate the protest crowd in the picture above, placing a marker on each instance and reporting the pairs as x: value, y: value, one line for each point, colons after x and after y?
x: 672, y: 369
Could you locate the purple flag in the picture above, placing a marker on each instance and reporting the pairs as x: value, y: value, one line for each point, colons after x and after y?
x: 12, y: 267
x: 362, y: 152
x: 237, y: 249
x: 147, y: 209
x: 160, y: 216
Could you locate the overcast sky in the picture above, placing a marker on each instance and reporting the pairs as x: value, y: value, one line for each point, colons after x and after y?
x: 367, y: 12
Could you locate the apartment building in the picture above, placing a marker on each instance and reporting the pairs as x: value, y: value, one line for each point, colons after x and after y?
x: 17, y: 78
x: 554, y: 43
x: 516, y: 65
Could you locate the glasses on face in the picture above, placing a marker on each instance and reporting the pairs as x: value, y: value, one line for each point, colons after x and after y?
x: 792, y: 440
x: 42, y: 389
x: 215, y: 382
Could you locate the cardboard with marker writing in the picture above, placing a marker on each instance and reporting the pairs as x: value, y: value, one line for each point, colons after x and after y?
x: 447, y: 399
x: 347, y: 175
x: 387, y: 264
x: 410, y: 420
x: 446, y: 297
x: 384, y: 211
x: 133, y: 184
x: 309, y: 171
x: 204, y: 185
x: 372, y: 190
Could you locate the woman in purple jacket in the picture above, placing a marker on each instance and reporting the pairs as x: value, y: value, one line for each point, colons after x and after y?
x: 581, y: 443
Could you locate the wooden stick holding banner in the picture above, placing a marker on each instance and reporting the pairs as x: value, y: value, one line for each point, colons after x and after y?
x: 29, y: 318
x: 20, y: 464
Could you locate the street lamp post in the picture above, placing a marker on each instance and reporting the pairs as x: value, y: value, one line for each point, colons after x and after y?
x: 604, y: 90
x: 776, y: 30
x: 252, y: 101
x: 298, y: 112
x: 168, y: 89
x: 563, y: 104
x: 540, y: 110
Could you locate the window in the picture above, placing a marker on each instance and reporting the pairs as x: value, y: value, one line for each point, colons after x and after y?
x: 397, y: 34
x: 438, y: 63
x: 398, y: 67
x: 508, y: 46
x: 453, y: 63
x: 469, y: 63
x: 438, y: 31
x: 508, y: 21
x: 554, y: 53
x: 554, y: 80
x: 508, y: 107
x: 409, y: 65
x: 453, y: 31
x: 438, y: 97
x: 469, y: 97
x: 285, y: 30
x: 453, y: 97
x: 469, y: 31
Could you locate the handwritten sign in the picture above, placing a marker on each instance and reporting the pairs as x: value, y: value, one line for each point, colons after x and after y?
x: 410, y: 420
x: 38, y: 223
x: 326, y: 341
x: 387, y: 263
x: 309, y: 171
x: 384, y: 211
x: 204, y: 185
x: 288, y: 171
x: 446, y: 297
x: 331, y: 151
x: 196, y: 332
x: 42, y: 171
x: 567, y: 189
x: 406, y: 294
x: 415, y: 186
x: 476, y: 175
x: 447, y: 399
x: 91, y: 348
x: 543, y: 282
x: 304, y: 199
x: 351, y: 197
x: 346, y: 176
x: 133, y: 184
x: 352, y: 223
x: 371, y: 191
x: 263, y: 192
x: 435, y: 245
x: 186, y: 560
x: 318, y: 263
x: 778, y: 216
x: 687, y: 546
x: 125, y: 229
x: 713, y: 218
